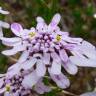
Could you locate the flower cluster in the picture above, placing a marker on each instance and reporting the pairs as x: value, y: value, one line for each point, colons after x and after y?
x: 45, y: 50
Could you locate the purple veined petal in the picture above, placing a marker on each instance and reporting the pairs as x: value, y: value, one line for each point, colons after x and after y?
x: 39, y: 19
x: 46, y: 58
x: 55, y: 57
x: 82, y: 61
x: 61, y: 80
x: 89, y: 94
x: 30, y: 80
x: 55, y: 20
x: 16, y: 29
x: 56, y: 68
x: 24, y: 56
x: 11, y: 40
x: 28, y: 64
x: 40, y: 68
x: 63, y: 55
x: 63, y: 33
x: 40, y: 88
x: 14, y: 50
x: 70, y: 67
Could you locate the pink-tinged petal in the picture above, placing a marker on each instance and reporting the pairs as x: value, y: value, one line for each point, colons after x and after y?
x: 24, y: 56
x: 55, y: 57
x: 40, y: 68
x: 82, y: 61
x: 61, y: 80
x: 63, y: 55
x: 30, y: 80
x: 55, y: 20
x: 70, y: 67
x: 46, y: 58
x: 11, y: 40
x: 14, y: 50
x: 16, y: 29
x: 40, y: 88
x: 55, y: 68
x: 28, y: 64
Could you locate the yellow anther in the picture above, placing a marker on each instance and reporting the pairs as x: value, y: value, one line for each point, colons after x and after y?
x: 7, y: 87
x: 32, y: 34
x: 58, y: 37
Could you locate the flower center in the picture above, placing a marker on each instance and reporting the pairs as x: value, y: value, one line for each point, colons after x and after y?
x: 32, y: 34
x: 58, y: 37
x: 8, y: 87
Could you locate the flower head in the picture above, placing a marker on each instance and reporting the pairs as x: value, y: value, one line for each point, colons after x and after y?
x: 47, y: 48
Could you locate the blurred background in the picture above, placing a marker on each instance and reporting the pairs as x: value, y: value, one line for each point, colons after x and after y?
x: 78, y: 18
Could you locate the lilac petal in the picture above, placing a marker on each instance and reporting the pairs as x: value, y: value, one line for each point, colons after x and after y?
x: 40, y: 88
x: 16, y: 29
x: 2, y: 90
x: 55, y: 20
x: 1, y: 82
x: 70, y: 67
x: 55, y: 57
x: 46, y: 58
x: 82, y: 61
x: 61, y: 80
x: 40, y: 68
x: 14, y: 50
x: 39, y: 19
x: 30, y: 80
x: 55, y: 68
x: 4, y: 24
x: 23, y: 57
x: 28, y: 64
x: 63, y: 55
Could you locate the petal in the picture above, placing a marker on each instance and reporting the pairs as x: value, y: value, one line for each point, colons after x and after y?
x: 24, y: 56
x: 3, y: 12
x: 1, y: 82
x: 61, y: 80
x: 16, y: 29
x: 63, y: 55
x: 14, y: 50
x: 70, y: 67
x: 11, y: 40
x: 46, y: 58
x: 39, y: 19
x: 28, y: 64
x: 40, y: 68
x: 30, y: 80
x: 40, y: 88
x: 7, y: 93
x: 82, y: 61
x: 55, y: 68
x: 55, y: 57
x: 4, y: 24
x: 2, y: 90
x: 55, y: 20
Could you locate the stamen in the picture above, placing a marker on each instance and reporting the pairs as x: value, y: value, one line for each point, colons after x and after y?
x: 58, y: 37
x: 32, y: 34
x: 8, y: 87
